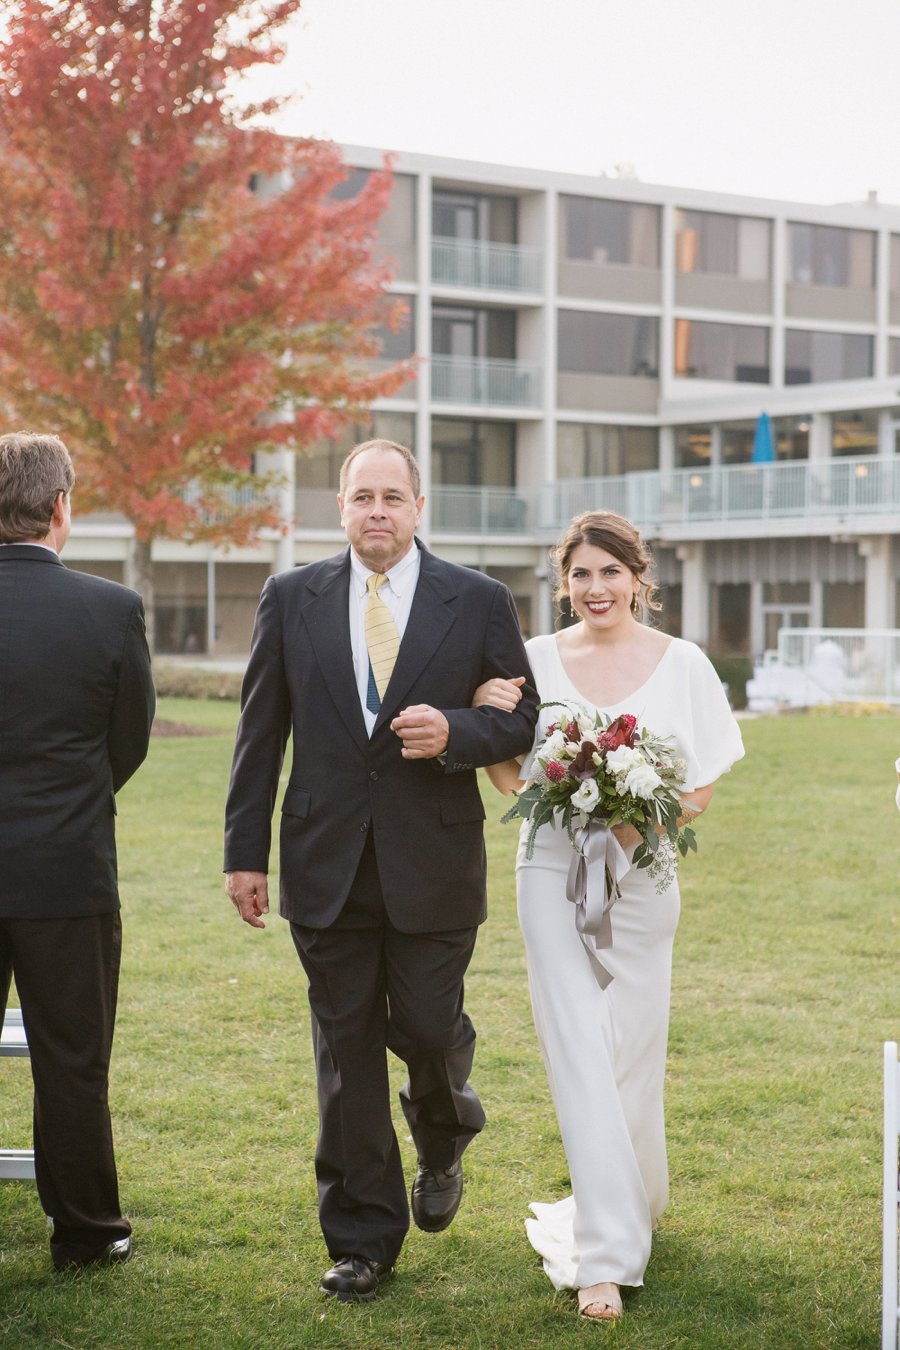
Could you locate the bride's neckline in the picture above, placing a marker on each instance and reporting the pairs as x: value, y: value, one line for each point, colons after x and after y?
x: 628, y: 698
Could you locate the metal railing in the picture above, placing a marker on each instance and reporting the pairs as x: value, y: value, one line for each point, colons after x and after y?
x: 834, y: 489
x: 485, y: 380
x: 486, y: 266
x: 845, y: 664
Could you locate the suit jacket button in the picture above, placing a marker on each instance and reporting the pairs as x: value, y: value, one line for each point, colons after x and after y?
x: 364, y: 826
x: 373, y: 774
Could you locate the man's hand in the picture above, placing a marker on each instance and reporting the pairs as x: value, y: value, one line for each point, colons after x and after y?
x: 249, y: 893
x: 423, y: 730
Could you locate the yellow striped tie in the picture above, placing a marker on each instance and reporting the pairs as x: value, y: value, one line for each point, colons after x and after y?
x: 382, y: 638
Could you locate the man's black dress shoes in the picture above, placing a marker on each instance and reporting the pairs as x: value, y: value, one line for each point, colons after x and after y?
x: 113, y: 1254
x: 436, y: 1193
x: 354, y: 1279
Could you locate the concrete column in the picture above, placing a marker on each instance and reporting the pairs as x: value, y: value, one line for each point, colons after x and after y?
x: 287, y: 470
x: 211, y: 604
x: 694, y: 593
x: 423, y: 345
x: 779, y: 283
x: 548, y: 353
x: 666, y: 449
x: 667, y: 313
x: 757, y: 626
x: 880, y: 583
x: 883, y: 303
x: 820, y: 436
x: 544, y: 609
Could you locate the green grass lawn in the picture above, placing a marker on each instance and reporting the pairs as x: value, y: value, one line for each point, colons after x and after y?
x: 787, y: 981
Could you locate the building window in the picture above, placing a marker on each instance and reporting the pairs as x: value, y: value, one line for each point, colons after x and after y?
x: 720, y: 245
x: 605, y: 232
x: 608, y: 344
x: 399, y: 345
x: 586, y: 450
x: 469, y: 215
x: 854, y: 433
x: 693, y: 447
x: 397, y: 223
x: 737, y: 442
x: 813, y: 358
x: 894, y: 356
x: 895, y: 264
x: 826, y: 255
x: 844, y: 604
x: 791, y: 436
x: 721, y: 351
x: 319, y: 465
x: 458, y: 330
x: 465, y: 453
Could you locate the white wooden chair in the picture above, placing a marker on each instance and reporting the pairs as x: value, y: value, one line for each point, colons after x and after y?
x: 890, y: 1258
x: 16, y: 1164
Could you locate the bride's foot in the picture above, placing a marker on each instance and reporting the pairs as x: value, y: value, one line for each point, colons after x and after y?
x: 601, y: 1302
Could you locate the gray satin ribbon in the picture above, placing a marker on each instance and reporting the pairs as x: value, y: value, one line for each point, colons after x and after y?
x: 598, y: 854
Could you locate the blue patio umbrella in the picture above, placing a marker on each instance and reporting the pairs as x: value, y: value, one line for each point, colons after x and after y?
x: 763, y: 441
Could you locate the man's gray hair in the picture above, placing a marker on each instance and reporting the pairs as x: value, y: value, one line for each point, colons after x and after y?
x: 34, y: 470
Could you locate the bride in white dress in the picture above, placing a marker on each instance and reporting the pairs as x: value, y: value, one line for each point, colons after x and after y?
x: 605, y: 1049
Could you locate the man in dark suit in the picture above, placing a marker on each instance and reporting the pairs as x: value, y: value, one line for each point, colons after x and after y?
x: 76, y: 704
x: 371, y: 659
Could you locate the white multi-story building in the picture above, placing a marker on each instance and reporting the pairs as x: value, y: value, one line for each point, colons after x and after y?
x: 594, y: 342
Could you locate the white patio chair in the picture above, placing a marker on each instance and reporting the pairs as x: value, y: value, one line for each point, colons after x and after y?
x: 890, y: 1311
x: 16, y: 1164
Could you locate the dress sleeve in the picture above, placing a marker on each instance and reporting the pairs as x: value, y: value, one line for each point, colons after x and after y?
x: 712, y: 743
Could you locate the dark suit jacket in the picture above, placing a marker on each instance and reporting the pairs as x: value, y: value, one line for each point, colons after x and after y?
x: 76, y: 703
x: 427, y: 818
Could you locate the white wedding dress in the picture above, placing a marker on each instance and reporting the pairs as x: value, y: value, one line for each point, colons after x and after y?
x: 605, y: 1049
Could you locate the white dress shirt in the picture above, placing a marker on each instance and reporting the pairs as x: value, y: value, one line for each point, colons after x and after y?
x: 397, y: 593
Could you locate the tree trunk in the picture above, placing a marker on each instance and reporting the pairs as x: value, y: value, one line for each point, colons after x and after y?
x: 139, y: 576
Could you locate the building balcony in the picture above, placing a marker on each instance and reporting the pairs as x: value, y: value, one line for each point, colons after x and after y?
x: 481, y: 510
x: 477, y: 264
x: 854, y: 495
x: 479, y: 380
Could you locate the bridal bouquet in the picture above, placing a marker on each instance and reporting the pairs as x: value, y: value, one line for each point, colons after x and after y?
x: 592, y: 769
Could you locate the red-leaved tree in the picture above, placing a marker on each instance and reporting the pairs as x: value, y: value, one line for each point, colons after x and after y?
x: 162, y: 316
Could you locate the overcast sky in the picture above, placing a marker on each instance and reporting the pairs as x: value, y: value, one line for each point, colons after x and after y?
x: 798, y: 99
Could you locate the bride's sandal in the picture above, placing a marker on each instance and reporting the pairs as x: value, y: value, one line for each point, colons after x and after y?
x: 600, y: 1302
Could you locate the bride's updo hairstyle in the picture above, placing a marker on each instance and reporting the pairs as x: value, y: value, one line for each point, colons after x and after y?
x: 616, y: 535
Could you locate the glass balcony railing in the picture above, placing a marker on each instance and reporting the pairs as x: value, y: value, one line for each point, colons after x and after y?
x: 483, y: 265
x: 482, y: 380
x: 480, y: 510
x: 833, y: 489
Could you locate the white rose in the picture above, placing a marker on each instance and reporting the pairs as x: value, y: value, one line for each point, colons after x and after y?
x: 553, y: 746
x: 622, y: 759
x: 587, y: 796
x: 642, y: 780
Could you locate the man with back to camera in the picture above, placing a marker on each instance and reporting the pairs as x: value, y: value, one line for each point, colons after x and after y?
x: 371, y: 659
x: 76, y: 704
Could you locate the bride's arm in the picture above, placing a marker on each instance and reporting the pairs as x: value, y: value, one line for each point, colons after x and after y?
x: 500, y: 693
x: 693, y: 804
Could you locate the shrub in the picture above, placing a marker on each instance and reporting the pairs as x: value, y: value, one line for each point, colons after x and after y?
x: 734, y: 670
x: 175, y: 681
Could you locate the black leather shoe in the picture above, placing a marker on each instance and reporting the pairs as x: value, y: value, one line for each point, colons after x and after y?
x: 354, y: 1279
x: 113, y: 1254
x: 436, y: 1193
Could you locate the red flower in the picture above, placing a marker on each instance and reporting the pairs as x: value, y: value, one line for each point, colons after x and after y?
x: 573, y: 732
x: 555, y: 771
x: 583, y: 763
x: 621, y: 731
